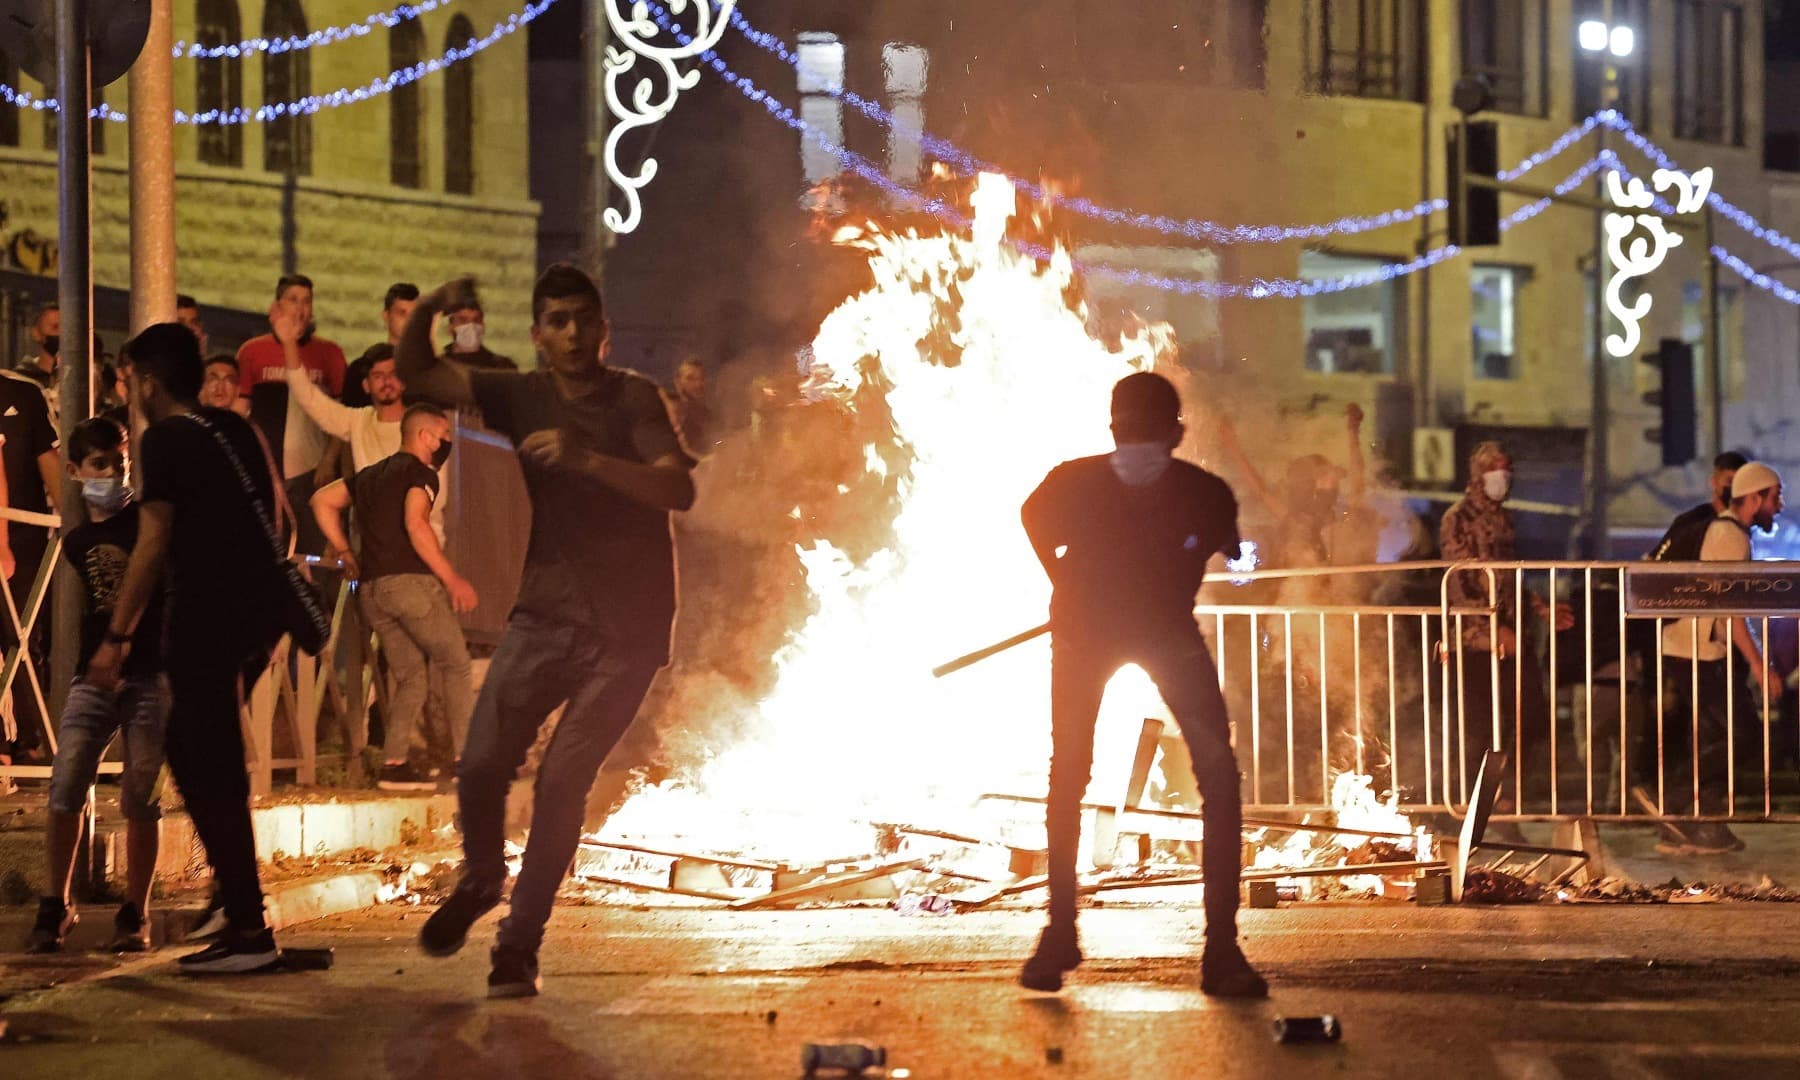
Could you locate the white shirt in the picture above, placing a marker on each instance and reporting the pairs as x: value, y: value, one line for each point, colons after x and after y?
x: 1725, y: 541
x: 371, y: 438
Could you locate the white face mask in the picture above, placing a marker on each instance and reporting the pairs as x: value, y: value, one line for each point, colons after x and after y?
x: 468, y: 337
x: 1497, y: 484
x: 106, y: 494
x: 1140, y: 464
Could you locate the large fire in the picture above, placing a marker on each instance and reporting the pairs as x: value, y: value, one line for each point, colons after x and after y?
x: 992, y: 377
x: 989, y: 373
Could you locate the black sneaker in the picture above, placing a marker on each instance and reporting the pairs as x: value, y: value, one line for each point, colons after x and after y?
x: 448, y: 927
x: 1058, y: 952
x: 212, y: 921
x: 131, y: 931
x: 54, y: 921
x: 515, y: 973
x: 1225, y: 973
x: 403, y: 777
x: 234, y: 953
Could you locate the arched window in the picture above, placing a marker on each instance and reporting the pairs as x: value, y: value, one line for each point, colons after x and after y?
x: 287, y: 77
x: 406, y: 165
x: 219, y: 81
x: 459, y: 113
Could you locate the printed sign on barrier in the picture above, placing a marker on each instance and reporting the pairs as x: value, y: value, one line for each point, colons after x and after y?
x: 1716, y: 589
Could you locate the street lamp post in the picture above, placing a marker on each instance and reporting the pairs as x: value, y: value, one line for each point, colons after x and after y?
x: 1600, y: 38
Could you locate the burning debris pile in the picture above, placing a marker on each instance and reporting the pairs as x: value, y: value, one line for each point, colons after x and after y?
x: 966, y: 370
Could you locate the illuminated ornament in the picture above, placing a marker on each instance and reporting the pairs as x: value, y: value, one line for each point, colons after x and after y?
x: 1634, y: 256
x: 646, y: 105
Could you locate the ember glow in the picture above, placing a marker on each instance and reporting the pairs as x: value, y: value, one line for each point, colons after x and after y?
x: 991, y: 377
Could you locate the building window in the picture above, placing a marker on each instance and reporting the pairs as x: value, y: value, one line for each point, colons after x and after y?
x: 1493, y: 320
x: 1633, y: 71
x: 287, y: 77
x: 1503, y: 41
x: 1709, y: 78
x: 406, y: 165
x: 459, y: 112
x: 1365, y: 48
x: 219, y: 81
x: 9, y: 116
x: 904, y: 69
x: 821, y: 78
x: 1353, y: 330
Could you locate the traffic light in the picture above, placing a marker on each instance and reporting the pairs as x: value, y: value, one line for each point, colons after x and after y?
x: 1678, y: 433
x: 1474, y: 152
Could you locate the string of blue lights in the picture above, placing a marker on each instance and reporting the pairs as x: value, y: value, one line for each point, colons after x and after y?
x: 1256, y: 289
x: 314, y: 103
x: 1210, y: 232
x: 193, y: 50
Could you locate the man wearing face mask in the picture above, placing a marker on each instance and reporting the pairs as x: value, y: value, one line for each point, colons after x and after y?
x: 41, y: 366
x: 1479, y: 528
x: 1694, y: 667
x: 411, y: 594
x: 468, y: 335
x: 1125, y: 539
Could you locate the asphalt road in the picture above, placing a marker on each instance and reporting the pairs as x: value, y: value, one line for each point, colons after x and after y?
x: 1519, y: 992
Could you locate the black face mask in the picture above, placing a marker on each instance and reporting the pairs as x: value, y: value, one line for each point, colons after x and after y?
x: 52, y: 344
x: 441, y: 454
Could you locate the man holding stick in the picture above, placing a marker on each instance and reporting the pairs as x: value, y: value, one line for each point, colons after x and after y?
x: 1125, y: 539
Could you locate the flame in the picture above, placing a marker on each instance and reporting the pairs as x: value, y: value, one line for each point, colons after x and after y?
x: 990, y: 376
x: 1355, y: 805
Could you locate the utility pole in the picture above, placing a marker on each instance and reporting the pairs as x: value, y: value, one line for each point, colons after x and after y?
x: 1599, y: 531
x: 75, y: 294
x: 152, y: 134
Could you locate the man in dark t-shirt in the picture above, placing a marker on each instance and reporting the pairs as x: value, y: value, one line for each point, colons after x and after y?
x: 1681, y: 543
x: 410, y: 592
x: 1125, y: 539
x: 591, y: 626
x: 206, y: 493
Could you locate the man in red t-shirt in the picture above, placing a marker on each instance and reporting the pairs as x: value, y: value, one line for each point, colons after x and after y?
x: 295, y: 440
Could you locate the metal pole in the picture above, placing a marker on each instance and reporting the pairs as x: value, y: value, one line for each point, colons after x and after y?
x: 596, y: 192
x: 1715, y: 353
x: 152, y: 132
x: 1598, y: 464
x: 75, y: 293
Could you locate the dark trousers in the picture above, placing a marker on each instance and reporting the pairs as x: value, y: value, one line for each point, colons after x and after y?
x: 206, y: 757
x: 1681, y: 732
x: 539, y: 665
x: 1177, y: 660
x: 1523, y: 709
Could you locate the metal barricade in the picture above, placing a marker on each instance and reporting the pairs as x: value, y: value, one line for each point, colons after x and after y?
x: 1608, y: 718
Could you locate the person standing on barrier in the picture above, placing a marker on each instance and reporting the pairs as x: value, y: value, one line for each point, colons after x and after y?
x: 590, y: 630
x: 1125, y: 539
x: 137, y: 711
x: 1479, y: 528
x: 1695, y: 667
x: 207, y: 495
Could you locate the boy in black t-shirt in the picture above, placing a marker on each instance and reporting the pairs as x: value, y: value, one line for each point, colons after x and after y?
x: 98, y: 549
x: 410, y: 592
x: 1125, y: 538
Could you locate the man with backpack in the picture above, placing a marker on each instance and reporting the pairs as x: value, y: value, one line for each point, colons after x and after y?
x: 1695, y: 666
x: 1682, y: 542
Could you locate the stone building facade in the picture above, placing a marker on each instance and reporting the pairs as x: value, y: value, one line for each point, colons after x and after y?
x: 419, y: 184
x: 1274, y: 111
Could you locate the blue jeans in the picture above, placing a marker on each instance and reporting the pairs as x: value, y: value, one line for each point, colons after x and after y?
x: 541, y: 664
x: 139, y: 711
